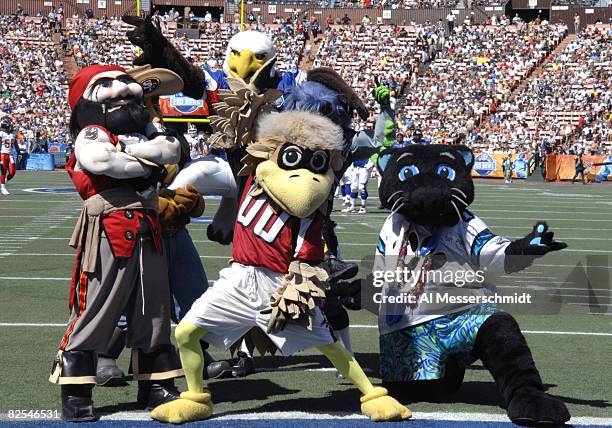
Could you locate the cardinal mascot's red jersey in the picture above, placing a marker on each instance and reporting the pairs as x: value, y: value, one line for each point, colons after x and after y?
x: 265, y: 238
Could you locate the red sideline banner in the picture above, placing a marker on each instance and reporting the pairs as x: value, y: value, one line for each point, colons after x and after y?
x: 563, y: 167
x: 179, y: 106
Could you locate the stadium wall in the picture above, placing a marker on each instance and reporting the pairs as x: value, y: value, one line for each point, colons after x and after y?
x: 398, y: 16
x: 99, y: 7
x: 565, y: 13
x: 536, y: 4
x: 587, y: 15
x: 111, y: 7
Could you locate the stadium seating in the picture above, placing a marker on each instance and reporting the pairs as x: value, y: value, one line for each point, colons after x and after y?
x: 575, y: 83
x: 96, y: 41
x: 477, y: 85
x: 32, y: 81
x: 477, y: 69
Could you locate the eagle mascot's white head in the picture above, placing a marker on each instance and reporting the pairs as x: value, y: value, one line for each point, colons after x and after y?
x: 246, y: 53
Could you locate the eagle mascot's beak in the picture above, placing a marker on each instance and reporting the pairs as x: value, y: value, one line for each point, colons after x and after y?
x: 245, y: 63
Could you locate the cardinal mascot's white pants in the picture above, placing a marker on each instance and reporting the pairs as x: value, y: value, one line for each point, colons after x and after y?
x: 230, y: 308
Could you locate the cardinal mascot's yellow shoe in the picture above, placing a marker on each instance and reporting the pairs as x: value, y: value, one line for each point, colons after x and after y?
x: 192, y: 406
x: 379, y: 406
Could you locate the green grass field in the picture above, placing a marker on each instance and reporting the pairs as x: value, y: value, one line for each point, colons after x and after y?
x: 569, y: 331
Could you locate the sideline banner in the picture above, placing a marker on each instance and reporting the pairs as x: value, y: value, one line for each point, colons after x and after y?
x: 57, y: 147
x: 563, y: 167
x: 490, y: 165
x: 179, y: 106
x: 40, y: 162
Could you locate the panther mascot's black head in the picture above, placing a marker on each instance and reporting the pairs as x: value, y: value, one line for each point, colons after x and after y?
x: 429, y: 184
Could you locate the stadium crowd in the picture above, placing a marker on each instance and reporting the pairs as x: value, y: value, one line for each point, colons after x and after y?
x: 32, y: 82
x: 568, y: 104
x: 391, y: 54
x: 104, y: 42
x: 470, y: 84
x: 474, y: 71
x: 99, y: 42
x: 449, y: 83
x: 405, y: 4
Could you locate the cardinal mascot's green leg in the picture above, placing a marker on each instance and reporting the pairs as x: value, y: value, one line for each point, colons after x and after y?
x: 375, y: 401
x: 196, y: 402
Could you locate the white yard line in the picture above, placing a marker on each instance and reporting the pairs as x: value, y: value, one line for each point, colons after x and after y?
x: 532, y: 280
x: 35, y: 216
x: 537, y: 287
x: 298, y: 415
x: 590, y: 304
x: 46, y: 201
x: 31, y: 324
x: 356, y: 326
x: 347, y: 260
x: 485, y: 210
x: 584, y: 296
x: 529, y: 275
x: 572, y: 265
x: 384, y: 216
x: 33, y: 278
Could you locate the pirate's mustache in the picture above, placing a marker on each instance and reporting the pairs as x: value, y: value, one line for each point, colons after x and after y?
x: 118, y: 119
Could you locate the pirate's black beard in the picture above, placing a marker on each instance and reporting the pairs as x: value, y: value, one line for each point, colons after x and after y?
x: 128, y: 119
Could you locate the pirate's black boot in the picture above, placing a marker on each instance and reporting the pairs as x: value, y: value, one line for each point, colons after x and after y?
x: 77, y: 405
x: 152, y: 393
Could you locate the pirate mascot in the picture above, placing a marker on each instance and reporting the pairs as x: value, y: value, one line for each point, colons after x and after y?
x: 120, y: 268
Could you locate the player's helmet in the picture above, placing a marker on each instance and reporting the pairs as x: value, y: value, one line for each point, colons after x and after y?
x: 417, y: 135
x: 6, y: 124
x: 192, y: 130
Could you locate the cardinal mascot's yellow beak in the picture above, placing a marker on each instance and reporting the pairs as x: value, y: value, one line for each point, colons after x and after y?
x: 294, y: 158
x: 300, y: 192
x: 245, y: 63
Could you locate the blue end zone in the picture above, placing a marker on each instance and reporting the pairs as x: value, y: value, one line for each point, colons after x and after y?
x: 284, y: 423
x: 59, y: 190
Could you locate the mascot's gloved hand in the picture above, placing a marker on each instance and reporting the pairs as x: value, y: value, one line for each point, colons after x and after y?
x: 277, y: 320
x: 149, y: 38
x: 192, y: 406
x: 190, y: 199
x: 168, y: 210
x: 382, y: 95
x: 344, y: 288
x: 379, y: 406
x: 521, y: 253
x: 221, y: 229
x: 298, y: 296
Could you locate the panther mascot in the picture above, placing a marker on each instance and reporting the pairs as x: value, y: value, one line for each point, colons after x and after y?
x: 425, y: 345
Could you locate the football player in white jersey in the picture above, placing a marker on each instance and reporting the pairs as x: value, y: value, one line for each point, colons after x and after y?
x: 194, y: 144
x: 7, y: 163
x: 360, y: 175
x: 344, y: 186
